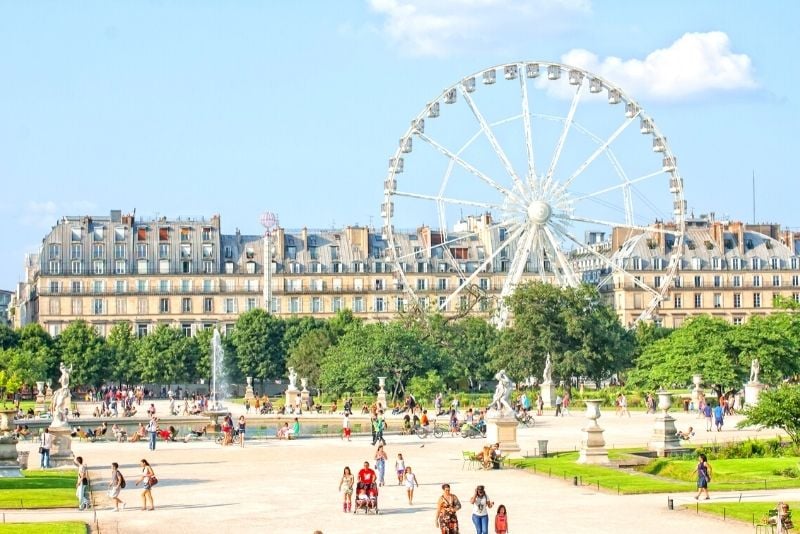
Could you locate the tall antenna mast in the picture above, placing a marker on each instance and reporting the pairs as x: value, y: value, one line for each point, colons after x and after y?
x: 754, y: 196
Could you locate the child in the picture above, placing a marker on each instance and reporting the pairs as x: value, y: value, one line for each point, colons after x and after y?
x: 400, y: 468
x: 501, y: 520
x: 411, y: 482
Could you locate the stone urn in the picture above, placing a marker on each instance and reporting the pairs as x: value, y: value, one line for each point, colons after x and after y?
x: 593, y: 449
x: 593, y: 410
x: 9, y: 456
x: 664, y: 401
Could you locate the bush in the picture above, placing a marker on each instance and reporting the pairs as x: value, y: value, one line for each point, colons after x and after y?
x: 750, y: 448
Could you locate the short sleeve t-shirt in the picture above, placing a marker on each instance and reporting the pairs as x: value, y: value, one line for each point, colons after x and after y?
x: 366, y: 476
x: 425, y: 420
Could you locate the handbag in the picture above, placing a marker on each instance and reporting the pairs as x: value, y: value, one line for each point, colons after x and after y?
x: 41, y: 450
x: 153, y: 480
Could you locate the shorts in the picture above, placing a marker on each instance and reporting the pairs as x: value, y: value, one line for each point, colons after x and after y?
x: 346, y: 432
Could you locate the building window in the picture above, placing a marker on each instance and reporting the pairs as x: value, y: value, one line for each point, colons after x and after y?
x: 98, y: 232
x: 119, y: 267
x: 795, y: 280
x: 379, y: 305
x: 657, y: 281
x: 738, y: 321
x: 163, y: 266
x: 776, y: 280
x: 163, y: 286
x: 208, y: 251
x: 717, y: 281
x: 163, y: 234
x: 737, y: 300
x: 76, y: 286
x: 53, y: 287
x: 185, y: 234
x: 250, y: 267
x: 76, y: 234
x: 141, y: 233
x: 98, y: 306
x: 141, y: 286
x: 336, y: 304
x: 206, y: 235
x: 698, y: 281
x: 54, y: 267
x: 698, y: 300
x: 208, y: 286
x: 98, y: 267
x: 756, y: 263
x: 163, y: 305
x: 678, y: 301
x: 678, y: 281
x: 400, y: 304
x: 186, y: 305
x: 442, y: 303
x: 142, y: 306
x: 756, y: 300
x: 98, y: 250
x: 379, y: 284
x: 75, y: 251
x: 295, y: 305
x: 737, y: 263
x: 186, y: 286
x: 483, y: 283
x: 186, y: 250
x: 208, y: 305
x: 757, y: 280
x: 77, y: 306
x: 230, y: 305
x: 120, y: 306
x: 316, y: 305
x: 119, y: 286
x: 717, y: 300
x: 251, y: 303
x: 208, y: 267
x: 119, y: 233
x: 141, y: 266
x: 737, y: 281
x: 77, y: 267
x: 358, y: 304
x: 422, y: 284
x: 186, y: 267
x: 228, y: 267
x: 186, y: 328
x: 441, y: 284
x: 98, y: 286
x: 796, y: 297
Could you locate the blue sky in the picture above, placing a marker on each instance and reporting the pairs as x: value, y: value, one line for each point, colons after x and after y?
x: 190, y: 108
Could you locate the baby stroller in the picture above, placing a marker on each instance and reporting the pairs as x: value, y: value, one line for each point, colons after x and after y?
x: 366, y: 498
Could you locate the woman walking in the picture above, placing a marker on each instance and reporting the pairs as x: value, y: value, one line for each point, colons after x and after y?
x: 82, y: 484
x: 241, y: 429
x: 346, y: 484
x: 380, y: 464
x: 447, y: 511
x: 150, y: 480
x: 703, y: 471
x: 400, y: 468
x: 480, y: 510
x: 115, y: 486
x: 411, y: 483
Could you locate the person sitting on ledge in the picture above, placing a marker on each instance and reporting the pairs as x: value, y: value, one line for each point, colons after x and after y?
x: 140, y: 433
x: 685, y: 435
x: 283, y: 432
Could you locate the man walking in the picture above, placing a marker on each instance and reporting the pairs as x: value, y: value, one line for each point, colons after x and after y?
x: 152, y: 428
x: 45, y: 442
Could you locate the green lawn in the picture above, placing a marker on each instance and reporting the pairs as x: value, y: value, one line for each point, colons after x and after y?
x: 665, y: 476
x: 748, y: 512
x: 39, y: 489
x: 61, y: 527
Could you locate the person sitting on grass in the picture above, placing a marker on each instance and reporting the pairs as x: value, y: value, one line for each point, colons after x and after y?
x: 685, y: 435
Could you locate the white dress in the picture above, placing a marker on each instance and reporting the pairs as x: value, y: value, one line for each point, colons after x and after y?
x: 411, y: 481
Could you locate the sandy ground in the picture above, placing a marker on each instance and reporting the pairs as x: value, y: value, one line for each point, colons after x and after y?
x: 291, y: 486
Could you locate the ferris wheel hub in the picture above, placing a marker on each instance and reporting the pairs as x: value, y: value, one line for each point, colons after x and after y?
x: 539, y: 211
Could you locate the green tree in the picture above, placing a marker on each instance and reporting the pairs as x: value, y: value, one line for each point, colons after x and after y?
x: 774, y: 340
x: 80, y: 347
x: 165, y: 356
x: 33, y: 358
x: 203, y: 340
x: 702, y: 345
x: 8, y: 337
x: 466, y: 343
x: 426, y: 387
x: 776, y: 408
x: 308, y: 352
x: 121, y: 344
x: 258, y: 339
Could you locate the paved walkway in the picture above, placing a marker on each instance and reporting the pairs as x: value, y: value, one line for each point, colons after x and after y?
x: 290, y: 487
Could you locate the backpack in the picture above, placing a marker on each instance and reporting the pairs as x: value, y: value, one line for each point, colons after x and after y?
x: 121, y: 480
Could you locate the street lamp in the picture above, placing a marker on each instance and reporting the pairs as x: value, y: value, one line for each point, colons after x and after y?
x: 269, y: 221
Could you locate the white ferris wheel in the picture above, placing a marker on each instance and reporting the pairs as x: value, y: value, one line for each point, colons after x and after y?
x: 525, y: 171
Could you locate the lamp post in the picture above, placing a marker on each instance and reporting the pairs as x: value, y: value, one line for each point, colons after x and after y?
x: 269, y: 221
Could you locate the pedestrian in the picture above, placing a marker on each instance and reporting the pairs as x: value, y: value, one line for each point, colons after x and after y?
x: 400, y: 468
x: 115, y: 486
x: 242, y: 425
x: 565, y: 405
x: 539, y: 404
x: 411, y: 483
x: 373, y: 423
x: 150, y: 480
x: 559, y: 402
x: 623, y: 405
x: 480, y: 510
x: 719, y: 417
x: 380, y: 464
x: 45, y: 442
x: 82, y: 485
x: 152, y: 428
x: 380, y: 427
x: 707, y: 415
x: 346, y: 426
x: 447, y: 508
x: 501, y: 520
x: 703, y: 471
x: 247, y: 406
x: 346, y: 484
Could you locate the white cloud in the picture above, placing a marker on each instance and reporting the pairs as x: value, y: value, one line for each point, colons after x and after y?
x: 694, y: 65
x: 443, y: 28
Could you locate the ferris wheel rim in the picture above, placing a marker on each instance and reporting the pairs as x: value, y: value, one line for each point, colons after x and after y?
x: 612, y: 263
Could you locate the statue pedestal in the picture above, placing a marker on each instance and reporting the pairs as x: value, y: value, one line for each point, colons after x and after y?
x: 548, y: 390
x: 61, y: 454
x: 752, y: 390
x: 382, y: 400
x: 305, y: 399
x: 9, y: 457
x: 502, y: 429
x: 664, y: 435
x: 291, y: 399
x: 593, y: 450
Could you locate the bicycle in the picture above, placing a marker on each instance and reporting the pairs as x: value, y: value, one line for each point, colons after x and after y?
x: 436, y: 429
x: 526, y: 419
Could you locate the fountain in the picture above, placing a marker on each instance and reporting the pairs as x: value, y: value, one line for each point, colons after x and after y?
x: 215, y: 409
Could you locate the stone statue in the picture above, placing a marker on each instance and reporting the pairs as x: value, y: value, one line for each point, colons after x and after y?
x: 292, y: 378
x: 62, y: 398
x: 502, y: 393
x: 755, y: 368
x: 547, y: 375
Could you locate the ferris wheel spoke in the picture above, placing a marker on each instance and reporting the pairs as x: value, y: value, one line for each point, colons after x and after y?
x: 613, y: 266
x: 613, y: 224
x: 511, y: 238
x: 471, y: 169
x: 602, y: 148
x: 540, y: 251
x: 564, y: 131
x: 526, y: 122
x: 465, y: 237
x: 568, y: 276
x: 447, y: 200
x: 618, y: 186
x: 487, y: 130
x: 521, y: 256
